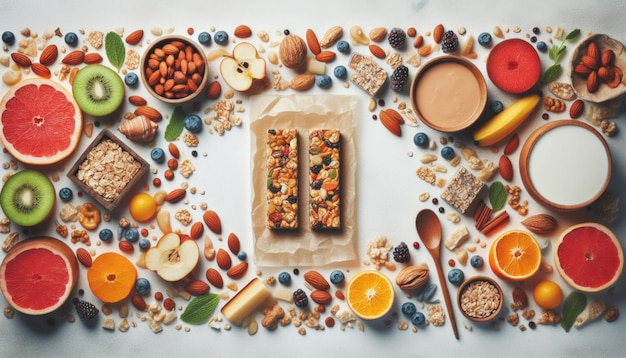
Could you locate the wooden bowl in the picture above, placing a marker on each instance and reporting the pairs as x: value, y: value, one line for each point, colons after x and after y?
x: 565, y: 165
x: 472, y: 301
x: 166, y: 88
x: 449, y: 93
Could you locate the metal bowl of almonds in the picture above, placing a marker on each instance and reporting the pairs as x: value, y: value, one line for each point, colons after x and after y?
x: 598, y: 68
x: 480, y: 298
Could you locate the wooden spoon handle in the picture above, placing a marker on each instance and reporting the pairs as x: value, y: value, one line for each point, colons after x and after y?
x: 446, y: 297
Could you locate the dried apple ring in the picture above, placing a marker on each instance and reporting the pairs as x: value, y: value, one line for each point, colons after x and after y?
x: 89, y: 216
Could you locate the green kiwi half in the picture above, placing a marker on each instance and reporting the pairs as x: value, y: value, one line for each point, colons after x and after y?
x: 27, y: 198
x: 98, y: 90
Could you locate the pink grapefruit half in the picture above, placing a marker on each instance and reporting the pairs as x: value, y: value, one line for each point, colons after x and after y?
x: 513, y: 66
x: 38, y: 275
x: 40, y: 122
x: 589, y: 257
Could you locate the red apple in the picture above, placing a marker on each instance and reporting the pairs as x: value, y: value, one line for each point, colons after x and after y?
x: 513, y: 66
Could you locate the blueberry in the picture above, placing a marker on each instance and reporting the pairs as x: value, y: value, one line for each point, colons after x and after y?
x: 71, y: 39
x: 204, y: 38
x: 340, y: 72
x: 131, y: 79
x: 131, y: 234
x: 142, y: 286
x: 476, y: 261
x: 158, y: 155
x: 241, y: 255
x: 193, y: 123
x: 343, y: 46
x: 284, y: 278
x: 408, y: 309
x: 144, y: 244
x: 418, y: 319
x: 496, y: 107
x: 447, y: 152
x: 484, y: 39
x: 456, y: 276
x: 105, y: 234
x: 323, y: 81
x: 542, y: 46
x: 65, y: 194
x: 336, y: 277
x: 8, y: 37
x: 421, y: 139
x: 221, y: 38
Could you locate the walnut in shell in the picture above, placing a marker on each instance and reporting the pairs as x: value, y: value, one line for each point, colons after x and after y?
x: 292, y: 52
x: 412, y: 277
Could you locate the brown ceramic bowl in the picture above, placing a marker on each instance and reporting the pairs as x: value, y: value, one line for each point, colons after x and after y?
x: 472, y: 302
x: 565, y: 165
x: 174, y: 69
x: 449, y: 93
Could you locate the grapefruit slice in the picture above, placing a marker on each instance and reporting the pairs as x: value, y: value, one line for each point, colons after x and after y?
x: 589, y: 257
x: 40, y: 123
x: 38, y: 275
x: 370, y: 294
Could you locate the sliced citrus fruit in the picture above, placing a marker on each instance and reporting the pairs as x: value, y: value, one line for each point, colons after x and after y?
x: 515, y: 255
x: 111, y: 277
x: 38, y: 275
x: 370, y: 294
x: 589, y: 257
x: 548, y: 294
x: 40, y: 122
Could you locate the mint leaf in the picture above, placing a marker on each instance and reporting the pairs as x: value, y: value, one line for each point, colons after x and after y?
x: 573, y: 35
x: 200, y: 309
x: 497, y: 196
x: 115, y: 49
x: 574, y: 304
x: 175, y: 125
x: 552, y: 73
x: 553, y: 54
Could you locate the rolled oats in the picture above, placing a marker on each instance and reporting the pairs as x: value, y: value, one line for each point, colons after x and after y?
x: 480, y: 299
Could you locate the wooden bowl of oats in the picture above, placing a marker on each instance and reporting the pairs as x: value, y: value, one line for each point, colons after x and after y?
x: 480, y: 298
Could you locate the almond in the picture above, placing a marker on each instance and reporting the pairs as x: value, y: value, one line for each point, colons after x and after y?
x: 377, y: 51
x: 592, y: 82
x: 325, y: 56
x: 242, y: 32
x: 196, y: 231
x: 339, y: 294
x: 577, y: 108
x: 49, y: 55
x: 617, y: 77
x: 74, y: 58
x: 139, y: 302
x: 425, y: 50
x: 149, y: 112
x: 21, y: 60
x: 175, y: 195
x: 541, y: 224
x: 41, y: 70
x: 321, y: 297
x: 234, y: 245
x: 512, y: 144
x: 238, y: 271
x: 214, y: 90
x: 92, y: 58
x: 173, y: 149
x: 316, y: 280
x: 197, y: 287
x: 390, y: 121
x: 604, y: 73
x: 581, y: 69
x: 589, y: 61
x: 137, y: 100
x: 134, y: 37
x: 302, y: 82
x: 214, y: 277
x: 419, y: 41
x: 593, y: 51
x: 126, y: 247
x: 169, y: 304
x: 438, y: 33
x: 505, y: 167
x: 312, y: 42
x: 212, y: 221
x: 84, y: 257
x: 378, y: 34
x: 608, y: 57
x: 223, y: 259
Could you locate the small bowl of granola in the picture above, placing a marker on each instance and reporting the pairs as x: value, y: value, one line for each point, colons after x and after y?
x: 480, y: 298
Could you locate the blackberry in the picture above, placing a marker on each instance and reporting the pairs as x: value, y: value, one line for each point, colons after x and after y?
x: 84, y: 309
x: 399, y: 78
x: 450, y: 42
x: 401, y: 253
x: 300, y: 298
x: 396, y: 38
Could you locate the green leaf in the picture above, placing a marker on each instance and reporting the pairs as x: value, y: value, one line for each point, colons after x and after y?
x: 497, y: 196
x: 115, y: 49
x: 574, y: 304
x: 553, y: 54
x: 176, y: 124
x: 552, y: 73
x: 573, y: 35
x: 200, y: 309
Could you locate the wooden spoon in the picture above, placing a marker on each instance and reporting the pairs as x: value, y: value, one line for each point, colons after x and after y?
x: 429, y: 230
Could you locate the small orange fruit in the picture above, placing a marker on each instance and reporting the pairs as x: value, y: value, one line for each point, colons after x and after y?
x: 142, y: 207
x: 370, y: 294
x: 515, y: 255
x: 111, y: 277
x: 548, y: 294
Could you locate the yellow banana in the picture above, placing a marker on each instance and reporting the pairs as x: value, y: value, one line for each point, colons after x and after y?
x: 505, y: 122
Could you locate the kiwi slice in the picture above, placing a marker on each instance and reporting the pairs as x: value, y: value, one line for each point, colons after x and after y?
x: 27, y: 198
x: 98, y: 90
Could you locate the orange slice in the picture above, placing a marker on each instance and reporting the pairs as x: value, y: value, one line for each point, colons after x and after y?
x: 111, y: 277
x: 370, y: 294
x: 515, y: 255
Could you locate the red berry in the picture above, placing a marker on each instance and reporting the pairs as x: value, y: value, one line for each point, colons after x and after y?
x: 416, y: 245
x: 451, y: 263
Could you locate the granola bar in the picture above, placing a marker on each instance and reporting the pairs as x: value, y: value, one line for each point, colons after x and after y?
x: 463, y: 190
x: 282, y: 178
x: 324, y: 179
x: 368, y: 75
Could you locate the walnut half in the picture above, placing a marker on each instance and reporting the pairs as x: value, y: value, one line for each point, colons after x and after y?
x: 412, y: 277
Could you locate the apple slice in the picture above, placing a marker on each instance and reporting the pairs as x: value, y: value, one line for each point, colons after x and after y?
x: 513, y: 66
x: 241, y: 70
x: 172, y: 258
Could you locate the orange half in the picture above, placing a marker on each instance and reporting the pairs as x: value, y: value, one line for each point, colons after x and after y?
x: 370, y: 294
x: 111, y: 277
x: 515, y: 255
